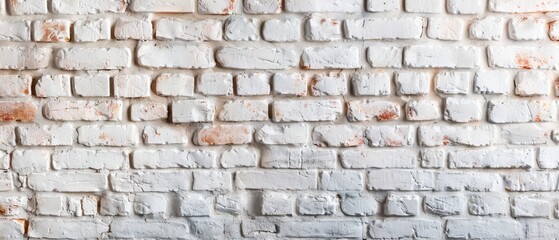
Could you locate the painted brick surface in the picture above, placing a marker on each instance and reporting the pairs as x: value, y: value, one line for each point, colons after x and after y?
x: 279, y: 119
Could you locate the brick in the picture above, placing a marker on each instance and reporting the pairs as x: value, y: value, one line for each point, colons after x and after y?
x: 108, y: 135
x: 132, y: 86
x: 523, y: 57
x: 329, y: 85
x: 92, y: 85
x: 53, y: 86
x: 518, y: 111
x: 90, y: 228
x: 30, y: 161
x: 75, y: 7
x: 92, y: 30
x: 150, y: 181
x: 527, y: 28
x: 530, y: 206
x: 15, y: 85
x: 424, y: 6
x: 67, y: 182
x: 287, y: 30
x: 81, y: 110
x: 17, y: 111
x: 385, y: 57
x: 401, y: 205
x: 530, y: 181
x: 463, y: 110
x: 316, y: 204
x: 529, y: 84
x: 525, y: 134
x: 28, y: 7
x: 488, y: 205
x: 239, y: 28
x: 509, y: 158
x: 298, y: 6
x: 224, y: 135
x: 52, y: 30
x: 93, y: 58
x: 322, y: 29
x: 433, y: 158
x: 336, y: 57
x: 306, y: 110
x: 188, y: 30
x: 554, y: 30
x: 423, y: 110
x: 238, y: 158
x: 12, y: 228
x: 367, y: 110
x: 193, y: 204
x: 465, y: 6
x: 476, y: 136
x: 467, y: 228
x: 6, y: 181
x: 262, y: 6
x: 442, y: 28
x: 371, y: 84
x: 322, y: 229
x: 488, y: 28
x: 253, y: 84
x: 412, y: 83
x: 286, y: 134
x: 220, y: 7
x: 338, y: 136
x: 24, y: 58
x: 494, y: 82
x: 256, y: 58
x: 390, y: 136
x: 164, y: 6
x: 289, y: 84
x: 187, y: 111
x: 404, y: 228
x: 46, y: 135
x: 7, y: 137
x: 294, y: 158
x: 276, y: 180
x: 128, y: 228
x: 276, y: 204
x: 546, y: 158
x: 170, y: 55
x: 137, y: 29
x: 358, y: 205
x: 441, y: 56
x: 341, y: 181
x: 163, y: 135
x: 472, y: 182
x: 453, y: 83
x: 17, y: 31
x: 215, y: 84
x: 89, y: 159
x: 174, y: 85
x: 395, y: 28
x: 401, y: 180
x: 244, y: 111
x: 361, y: 159
x: 518, y: 6
x: 162, y: 159
x: 149, y: 111
x: 151, y: 205
x: 383, y: 5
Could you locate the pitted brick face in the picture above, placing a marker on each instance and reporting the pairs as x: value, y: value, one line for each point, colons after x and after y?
x: 279, y: 119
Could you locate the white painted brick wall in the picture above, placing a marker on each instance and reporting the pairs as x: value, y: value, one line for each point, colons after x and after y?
x: 279, y: 119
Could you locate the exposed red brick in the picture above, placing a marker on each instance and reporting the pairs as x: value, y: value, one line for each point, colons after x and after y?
x: 17, y: 111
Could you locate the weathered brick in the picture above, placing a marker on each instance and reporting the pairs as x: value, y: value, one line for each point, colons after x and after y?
x: 394, y: 28
x: 367, y: 110
x: 108, y: 135
x: 170, y: 55
x: 361, y: 159
x: 17, y: 111
x: 15, y: 85
x: 188, y: 30
x: 93, y: 58
x: 256, y: 58
x: 24, y: 58
x: 81, y: 110
x: 164, y: 6
x: 441, y: 56
x: 87, y: 7
x: 299, y: 6
x: 224, y: 135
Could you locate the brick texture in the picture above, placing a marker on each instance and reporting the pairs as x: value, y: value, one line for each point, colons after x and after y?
x: 279, y: 119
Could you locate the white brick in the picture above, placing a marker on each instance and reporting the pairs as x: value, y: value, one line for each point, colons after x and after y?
x: 530, y: 181
x: 546, y: 158
x: 383, y: 5
x: 52, y: 30
x: 453, y: 83
x: 525, y: 134
x: 358, y: 205
x: 530, y: 206
x: 53, y: 86
x: 301, y: 6
x: 93, y: 58
x: 162, y: 159
x: 15, y: 85
x: 89, y: 159
x: 401, y: 180
x: 306, y: 110
x: 384, y: 28
x: 385, y: 57
x: 16, y: 31
x: 174, y: 85
x: 163, y: 135
x: 194, y: 204
x: 148, y: 111
x: 212, y: 181
x: 276, y: 180
x: 531, y: 83
x: 554, y: 30
x: 412, y: 83
x: 433, y: 158
x: 329, y: 85
x: 238, y: 28
x: 188, y: 30
x: 67, y: 182
x: 322, y: 29
x: 336, y: 57
x: 322, y: 228
x: 463, y: 110
x: 244, y: 111
x: 253, y: 84
x: 288, y: 30
x: 341, y: 181
x: 108, y: 135
x: 256, y: 58
x: 476, y: 136
x: 507, y: 158
x: 465, y: 6
x: 7, y: 137
x: 28, y: 7
x: 129, y: 228
x: 20, y: 58
x: 496, y: 229
x: 238, y: 158
x: 424, y: 6
x: 527, y: 28
x: 215, y: 84
x: 519, y: 6
x: 137, y: 29
x: 276, y: 204
x: 220, y: 7
x: 66, y: 228
x: 164, y: 6
x: 152, y: 204
x: 296, y: 134
x: 493, y: 82
x: 92, y: 30
x: 92, y: 85
x: 400, y: 205
x: 517, y: 111
x: 46, y: 135
x: 223, y: 135
x: 150, y: 181
x: 362, y: 159
x: 423, y: 110
x: 290, y: 84
x: 87, y: 7
x: 443, y: 28
x: 187, y: 111
x: 132, y: 86
x: 488, y: 28
x: 6, y: 181
x: 406, y: 228
x: 371, y: 84
x: 441, y: 56
x: 171, y: 55
x: 338, y: 136
x: 488, y: 205
x: 390, y: 136
x: 298, y: 158
x: 262, y: 6
x: 109, y: 110
x: 30, y: 161
x: 367, y: 110
x: 523, y: 57
x: 444, y: 205
x: 316, y: 204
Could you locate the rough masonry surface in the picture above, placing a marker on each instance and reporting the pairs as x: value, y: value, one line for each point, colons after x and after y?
x: 279, y: 119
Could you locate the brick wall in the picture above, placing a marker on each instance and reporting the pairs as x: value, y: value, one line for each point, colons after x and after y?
x: 271, y: 119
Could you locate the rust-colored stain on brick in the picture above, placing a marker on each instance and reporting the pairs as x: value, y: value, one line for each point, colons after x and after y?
x: 387, y: 115
x: 52, y: 32
x: 529, y: 62
x: 17, y: 111
x: 223, y: 135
